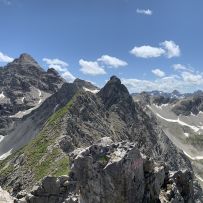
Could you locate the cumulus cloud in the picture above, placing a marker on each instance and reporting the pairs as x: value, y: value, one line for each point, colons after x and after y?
x: 57, y: 64
x: 168, y: 48
x: 171, y: 48
x: 144, y: 11
x: 158, y: 72
x: 68, y: 76
x: 192, y: 78
x: 147, y: 51
x: 91, y: 68
x: 184, y: 81
x: 112, y: 61
x: 5, y: 58
x: 181, y: 67
x: 61, y: 67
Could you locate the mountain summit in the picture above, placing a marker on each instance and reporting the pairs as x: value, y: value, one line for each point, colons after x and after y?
x: 113, y: 92
x: 24, y: 85
x: 25, y: 58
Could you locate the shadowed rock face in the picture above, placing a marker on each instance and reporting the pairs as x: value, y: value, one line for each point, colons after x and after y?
x: 114, y: 92
x: 110, y: 174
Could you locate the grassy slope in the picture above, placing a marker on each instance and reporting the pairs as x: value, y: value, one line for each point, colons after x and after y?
x: 42, y: 156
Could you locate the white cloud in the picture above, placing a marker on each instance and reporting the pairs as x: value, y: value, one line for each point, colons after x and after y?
x: 171, y: 48
x: 68, y: 76
x: 147, y: 51
x: 167, y: 84
x: 144, y: 11
x: 168, y: 48
x: 57, y: 64
x: 5, y: 58
x: 112, y: 61
x: 91, y: 68
x: 184, y: 81
x: 61, y: 67
x: 179, y: 67
x: 158, y: 72
x: 192, y: 78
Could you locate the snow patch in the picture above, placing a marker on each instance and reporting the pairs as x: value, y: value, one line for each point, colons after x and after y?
x: 89, y: 90
x: 194, y: 128
x: 1, y: 137
x: 23, y: 98
x: 192, y: 114
x: 40, y: 95
x: 198, y: 177
x: 186, y: 134
x: 5, y: 155
x: 193, y: 158
x: 2, y: 95
x: 161, y: 106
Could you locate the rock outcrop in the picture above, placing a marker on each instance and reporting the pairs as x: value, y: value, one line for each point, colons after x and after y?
x: 108, y: 172
x: 190, y: 105
x: 24, y: 85
x: 5, y: 197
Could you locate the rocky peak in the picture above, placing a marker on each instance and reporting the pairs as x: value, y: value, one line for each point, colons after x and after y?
x: 24, y: 65
x: 52, y: 71
x: 176, y: 93
x: 114, y: 92
x: 25, y: 59
x: 84, y: 84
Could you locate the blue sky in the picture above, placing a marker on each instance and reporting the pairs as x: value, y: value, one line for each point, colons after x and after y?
x: 149, y: 44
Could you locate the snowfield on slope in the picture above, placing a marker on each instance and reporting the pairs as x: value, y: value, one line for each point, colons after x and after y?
x: 194, y: 128
x: 5, y: 155
x: 193, y: 158
x: 2, y: 95
x: 20, y: 114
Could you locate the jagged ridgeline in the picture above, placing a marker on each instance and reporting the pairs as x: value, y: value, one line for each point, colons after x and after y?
x: 76, y: 116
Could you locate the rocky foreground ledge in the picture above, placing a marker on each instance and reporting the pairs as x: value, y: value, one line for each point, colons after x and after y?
x: 109, y: 172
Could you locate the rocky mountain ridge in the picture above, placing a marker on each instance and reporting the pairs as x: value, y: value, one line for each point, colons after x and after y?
x: 24, y: 85
x: 86, y: 118
x: 59, y: 137
x: 181, y: 120
x: 109, y: 172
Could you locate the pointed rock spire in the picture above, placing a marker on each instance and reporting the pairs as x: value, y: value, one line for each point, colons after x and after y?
x: 113, y: 92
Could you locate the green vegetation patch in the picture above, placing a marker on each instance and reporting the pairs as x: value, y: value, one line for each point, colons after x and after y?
x: 42, y: 156
x: 103, y: 160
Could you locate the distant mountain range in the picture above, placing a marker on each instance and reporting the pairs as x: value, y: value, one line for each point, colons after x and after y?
x: 181, y: 118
